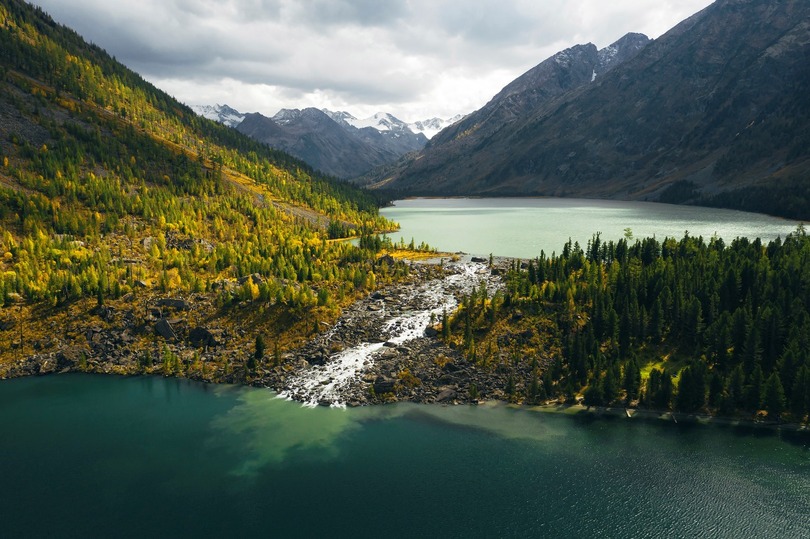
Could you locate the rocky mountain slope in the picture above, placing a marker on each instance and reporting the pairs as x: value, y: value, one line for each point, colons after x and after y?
x: 716, y: 111
x: 567, y: 70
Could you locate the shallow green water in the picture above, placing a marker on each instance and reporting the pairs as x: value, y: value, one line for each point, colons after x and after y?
x: 522, y: 227
x: 93, y: 456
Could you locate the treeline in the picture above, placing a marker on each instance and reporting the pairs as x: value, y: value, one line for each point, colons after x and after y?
x: 688, y: 325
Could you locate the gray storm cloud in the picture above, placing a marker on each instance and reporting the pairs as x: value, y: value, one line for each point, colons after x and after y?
x: 409, y: 57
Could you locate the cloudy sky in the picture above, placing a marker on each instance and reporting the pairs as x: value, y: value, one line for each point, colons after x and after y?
x: 413, y: 58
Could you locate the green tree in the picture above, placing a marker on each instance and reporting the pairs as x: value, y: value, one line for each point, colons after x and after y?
x: 259, y: 350
x: 632, y: 380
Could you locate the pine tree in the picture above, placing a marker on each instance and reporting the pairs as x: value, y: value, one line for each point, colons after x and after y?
x: 260, y: 348
x: 632, y: 380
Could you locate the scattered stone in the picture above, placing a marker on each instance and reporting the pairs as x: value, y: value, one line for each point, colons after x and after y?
x: 450, y: 367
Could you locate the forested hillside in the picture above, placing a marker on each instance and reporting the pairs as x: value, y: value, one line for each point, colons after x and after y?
x: 114, y: 197
x: 691, y: 325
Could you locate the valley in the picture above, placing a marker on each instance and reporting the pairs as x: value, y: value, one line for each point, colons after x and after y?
x: 582, y: 309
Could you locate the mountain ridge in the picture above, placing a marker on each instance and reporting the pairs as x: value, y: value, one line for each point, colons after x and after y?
x: 714, y: 112
x: 564, y: 71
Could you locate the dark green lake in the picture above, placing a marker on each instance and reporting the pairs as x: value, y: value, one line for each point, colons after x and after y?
x: 95, y: 456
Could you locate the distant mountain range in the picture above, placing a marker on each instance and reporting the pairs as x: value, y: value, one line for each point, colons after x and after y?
x: 716, y: 111
x: 382, y: 121
x: 336, y: 143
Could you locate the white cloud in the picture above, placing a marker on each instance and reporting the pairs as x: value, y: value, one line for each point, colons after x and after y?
x: 413, y: 58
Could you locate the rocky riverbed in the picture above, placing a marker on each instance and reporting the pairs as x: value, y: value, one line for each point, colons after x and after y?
x: 384, y: 348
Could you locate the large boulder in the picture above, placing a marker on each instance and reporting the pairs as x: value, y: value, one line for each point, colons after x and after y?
x: 384, y: 385
x: 164, y: 329
x: 200, y: 337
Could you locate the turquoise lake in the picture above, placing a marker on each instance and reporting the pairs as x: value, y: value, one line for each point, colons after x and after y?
x: 522, y: 227
x: 95, y: 456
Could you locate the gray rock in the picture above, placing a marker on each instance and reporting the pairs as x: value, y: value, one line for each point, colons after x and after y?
x: 47, y: 366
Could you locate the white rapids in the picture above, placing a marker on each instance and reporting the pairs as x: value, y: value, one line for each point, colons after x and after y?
x: 327, y: 384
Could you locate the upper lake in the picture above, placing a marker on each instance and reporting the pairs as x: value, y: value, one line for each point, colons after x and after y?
x: 522, y: 227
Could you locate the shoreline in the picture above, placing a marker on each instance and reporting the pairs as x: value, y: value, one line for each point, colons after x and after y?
x: 574, y: 411
x: 421, y: 370
x: 665, y: 416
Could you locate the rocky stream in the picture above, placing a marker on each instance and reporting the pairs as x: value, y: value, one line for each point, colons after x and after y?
x: 384, y: 347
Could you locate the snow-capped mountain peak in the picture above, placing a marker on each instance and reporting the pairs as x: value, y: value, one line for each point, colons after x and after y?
x: 381, y: 121
x: 341, y: 117
x: 433, y: 125
x: 286, y: 116
x: 388, y: 123
x: 220, y: 113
